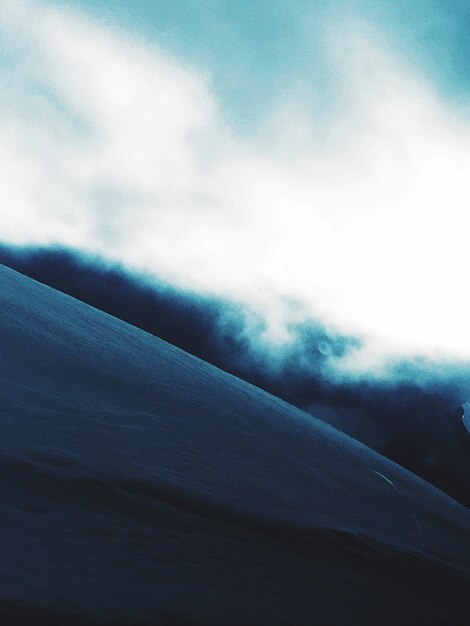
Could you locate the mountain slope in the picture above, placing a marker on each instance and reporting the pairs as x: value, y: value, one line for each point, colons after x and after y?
x: 142, y: 485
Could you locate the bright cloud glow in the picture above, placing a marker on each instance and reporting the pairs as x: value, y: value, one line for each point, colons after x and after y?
x: 109, y: 144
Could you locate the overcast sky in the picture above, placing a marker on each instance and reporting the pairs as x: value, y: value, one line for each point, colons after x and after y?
x: 307, y: 159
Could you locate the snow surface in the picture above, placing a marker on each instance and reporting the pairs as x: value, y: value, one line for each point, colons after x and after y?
x: 141, y: 485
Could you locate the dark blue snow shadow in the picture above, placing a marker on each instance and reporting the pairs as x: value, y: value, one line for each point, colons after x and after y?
x: 416, y: 423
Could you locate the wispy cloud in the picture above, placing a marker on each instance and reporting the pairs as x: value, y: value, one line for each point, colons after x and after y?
x: 110, y: 144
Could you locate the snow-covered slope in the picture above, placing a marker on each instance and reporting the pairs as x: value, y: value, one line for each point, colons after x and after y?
x: 142, y: 485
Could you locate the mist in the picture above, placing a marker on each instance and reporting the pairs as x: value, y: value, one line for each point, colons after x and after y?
x: 351, y: 201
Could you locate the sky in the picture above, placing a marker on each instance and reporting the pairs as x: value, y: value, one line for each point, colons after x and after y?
x: 307, y: 160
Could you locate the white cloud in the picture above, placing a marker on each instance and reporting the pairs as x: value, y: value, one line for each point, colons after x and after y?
x: 110, y: 144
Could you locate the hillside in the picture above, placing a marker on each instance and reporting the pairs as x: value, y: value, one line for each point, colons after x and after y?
x: 141, y: 485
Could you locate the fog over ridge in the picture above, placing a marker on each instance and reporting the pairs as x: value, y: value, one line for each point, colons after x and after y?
x: 359, y: 215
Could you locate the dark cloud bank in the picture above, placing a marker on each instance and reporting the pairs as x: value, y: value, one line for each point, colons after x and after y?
x: 417, y: 424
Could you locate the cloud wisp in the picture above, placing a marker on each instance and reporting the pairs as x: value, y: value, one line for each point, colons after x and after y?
x: 110, y: 144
